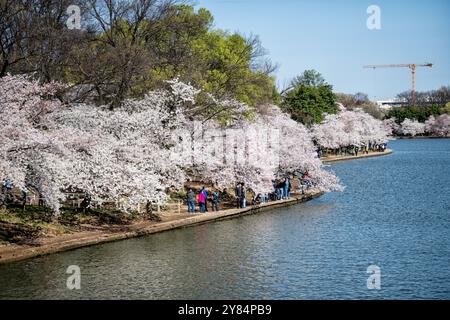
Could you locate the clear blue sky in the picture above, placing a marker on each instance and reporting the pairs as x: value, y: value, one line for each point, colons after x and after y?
x: 331, y: 36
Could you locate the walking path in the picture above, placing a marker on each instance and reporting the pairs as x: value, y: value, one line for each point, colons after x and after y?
x: 360, y: 156
x: 13, y: 252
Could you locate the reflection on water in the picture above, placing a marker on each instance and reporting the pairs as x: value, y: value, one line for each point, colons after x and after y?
x: 394, y: 213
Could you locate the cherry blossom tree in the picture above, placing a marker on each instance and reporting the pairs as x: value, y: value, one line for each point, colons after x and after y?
x: 30, y: 155
x: 439, y: 126
x: 349, y: 128
x: 391, y: 126
x: 331, y: 133
x: 412, y: 127
x: 297, y: 151
x: 126, y: 155
x: 144, y: 149
x: 255, y: 152
x: 113, y: 156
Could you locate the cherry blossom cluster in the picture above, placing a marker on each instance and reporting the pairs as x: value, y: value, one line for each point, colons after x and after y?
x: 349, y: 128
x: 438, y: 126
x: 257, y: 151
x: 412, y: 127
x: 391, y: 126
x: 146, y: 148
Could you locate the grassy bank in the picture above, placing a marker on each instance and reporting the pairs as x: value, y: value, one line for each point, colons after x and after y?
x: 27, y: 227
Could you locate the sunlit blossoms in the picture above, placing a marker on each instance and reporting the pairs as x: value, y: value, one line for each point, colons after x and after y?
x: 391, y: 126
x: 254, y: 152
x: 412, y: 127
x: 439, y: 126
x: 349, y: 128
x: 297, y: 151
x: 144, y: 149
x: 30, y: 155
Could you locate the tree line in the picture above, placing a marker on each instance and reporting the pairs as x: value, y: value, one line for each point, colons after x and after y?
x: 428, y: 104
x: 126, y: 48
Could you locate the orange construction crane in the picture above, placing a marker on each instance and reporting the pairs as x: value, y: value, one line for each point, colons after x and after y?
x: 412, y: 66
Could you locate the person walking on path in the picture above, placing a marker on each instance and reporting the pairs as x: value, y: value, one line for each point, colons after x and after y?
x: 216, y: 201
x: 191, y: 201
x: 238, y: 195
x: 306, y: 182
x: 205, y: 193
x: 275, y: 189
x: 201, y: 201
x: 280, y: 190
x: 243, y: 196
x: 286, y: 188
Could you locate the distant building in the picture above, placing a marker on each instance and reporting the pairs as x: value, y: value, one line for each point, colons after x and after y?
x: 388, y: 104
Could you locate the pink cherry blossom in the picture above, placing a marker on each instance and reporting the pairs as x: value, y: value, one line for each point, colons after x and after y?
x: 412, y: 127
x: 146, y: 148
x: 349, y: 128
x: 439, y: 126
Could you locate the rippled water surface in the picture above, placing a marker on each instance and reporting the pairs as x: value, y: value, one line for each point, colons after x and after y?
x: 394, y: 213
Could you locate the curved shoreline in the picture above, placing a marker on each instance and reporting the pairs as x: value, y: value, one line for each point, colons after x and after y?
x: 361, y: 156
x: 13, y: 253
x: 420, y: 137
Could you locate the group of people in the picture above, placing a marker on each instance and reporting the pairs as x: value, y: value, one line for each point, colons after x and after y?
x: 282, y: 189
x: 202, y: 199
x: 371, y: 146
x: 354, y: 150
x: 241, y: 196
x: 380, y: 147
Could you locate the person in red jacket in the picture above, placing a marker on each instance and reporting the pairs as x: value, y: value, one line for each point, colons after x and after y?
x: 201, y: 201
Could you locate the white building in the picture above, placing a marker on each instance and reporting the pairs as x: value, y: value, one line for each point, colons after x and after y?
x: 389, y: 103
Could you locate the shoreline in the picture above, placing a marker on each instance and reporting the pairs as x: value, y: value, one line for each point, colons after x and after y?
x: 13, y: 253
x: 331, y: 159
x: 420, y: 137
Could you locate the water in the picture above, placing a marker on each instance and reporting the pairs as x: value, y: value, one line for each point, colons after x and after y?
x: 394, y: 213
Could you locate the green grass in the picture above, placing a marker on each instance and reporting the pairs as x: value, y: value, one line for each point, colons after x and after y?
x: 18, y: 225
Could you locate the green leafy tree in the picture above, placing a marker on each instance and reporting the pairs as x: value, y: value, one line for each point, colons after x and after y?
x: 310, y: 78
x: 421, y: 114
x: 309, y: 98
x: 446, y: 108
x: 227, y: 63
x: 127, y: 48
